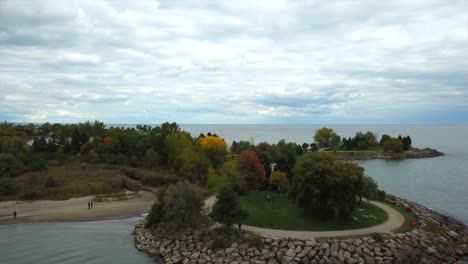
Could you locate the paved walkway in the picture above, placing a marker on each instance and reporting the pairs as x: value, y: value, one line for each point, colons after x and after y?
x: 395, y: 220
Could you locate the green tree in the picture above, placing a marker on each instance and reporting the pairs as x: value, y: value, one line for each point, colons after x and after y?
x: 325, y: 187
x: 227, y: 209
x: 177, y: 143
x: 323, y: 137
x: 384, y: 139
x: 152, y: 159
x: 179, y: 205
x: 230, y: 177
x: 369, y: 190
x: 393, y: 145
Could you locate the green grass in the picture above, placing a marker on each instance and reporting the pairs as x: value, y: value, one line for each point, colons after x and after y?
x: 405, y: 227
x: 281, y: 213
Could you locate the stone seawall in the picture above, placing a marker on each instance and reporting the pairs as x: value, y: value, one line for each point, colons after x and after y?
x: 418, y: 246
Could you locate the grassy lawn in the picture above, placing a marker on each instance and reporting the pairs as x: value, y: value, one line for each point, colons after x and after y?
x: 408, y: 217
x: 280, y: 213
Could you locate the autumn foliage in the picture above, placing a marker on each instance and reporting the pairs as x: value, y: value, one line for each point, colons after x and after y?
x: 215, y: 149
x: 251, y: 168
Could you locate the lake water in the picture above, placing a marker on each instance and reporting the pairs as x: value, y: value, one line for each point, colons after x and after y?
x: 439, y: 183
x: 109, y: 241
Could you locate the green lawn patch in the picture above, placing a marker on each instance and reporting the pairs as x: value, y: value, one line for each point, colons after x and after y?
x: 281, y: 213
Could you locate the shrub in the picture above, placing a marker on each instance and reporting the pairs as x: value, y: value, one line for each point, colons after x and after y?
x: 133, y: 185
x: 53, y: 182
x: 393, y: 145
x: 179, y: 205
x: 218, y: 242
x: 432, y: 227
x: 31, y: 193
x: 7, y: 186
x: 255, y: 241
x: 153, y: 178
x: 117, y: 182
x: 377, y: 237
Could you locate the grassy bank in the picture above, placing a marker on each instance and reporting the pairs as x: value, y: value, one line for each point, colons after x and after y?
x: 281, y: 213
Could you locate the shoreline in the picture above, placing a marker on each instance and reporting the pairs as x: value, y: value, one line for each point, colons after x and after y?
x: 416, y: 246
x: 74, y: 209
x: 421, y: 154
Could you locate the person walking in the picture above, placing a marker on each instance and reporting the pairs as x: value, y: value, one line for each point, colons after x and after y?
x: 14, y: 214
x: 89, y: 205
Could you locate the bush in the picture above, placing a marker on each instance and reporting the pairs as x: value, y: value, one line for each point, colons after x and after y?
x: 218, y: 242
x: 31, y: 193
x: 179, y: 205
x: 393, y: 145
x: 153, y: 178
x: 7, y: 186
x: 434, y: 228
x: 133, y: 185
x: 377, y: 237
x: 255, y: 241
x: 53, y: 182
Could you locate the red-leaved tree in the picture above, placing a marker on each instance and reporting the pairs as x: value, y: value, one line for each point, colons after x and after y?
x: 251, y: 169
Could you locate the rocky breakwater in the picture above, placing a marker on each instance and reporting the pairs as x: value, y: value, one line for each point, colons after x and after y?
x: 204, y: 245
x: 416, y: 154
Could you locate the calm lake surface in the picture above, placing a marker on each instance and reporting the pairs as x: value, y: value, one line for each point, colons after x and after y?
x: 109, y: 241
x: 439, y: 183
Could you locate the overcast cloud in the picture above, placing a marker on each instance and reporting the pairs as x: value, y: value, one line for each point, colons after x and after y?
x: 234, y: 62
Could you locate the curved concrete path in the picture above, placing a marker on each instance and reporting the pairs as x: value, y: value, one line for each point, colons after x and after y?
x: 394, y: 221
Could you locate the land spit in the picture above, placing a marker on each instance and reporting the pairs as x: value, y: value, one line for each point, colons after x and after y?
x: 419, y: 154
x: 200, y: 245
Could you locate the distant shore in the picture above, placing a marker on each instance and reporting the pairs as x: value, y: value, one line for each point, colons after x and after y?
x: 370, y: 155
x: 75, y: 209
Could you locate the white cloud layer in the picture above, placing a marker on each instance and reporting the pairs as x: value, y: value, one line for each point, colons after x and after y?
x: 266, y: 61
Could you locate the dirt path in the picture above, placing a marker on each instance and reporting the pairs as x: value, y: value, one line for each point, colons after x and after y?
x: 395, y: 220
x: 75, y: 209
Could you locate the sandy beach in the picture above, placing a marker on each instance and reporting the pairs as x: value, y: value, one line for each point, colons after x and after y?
x: 75, y: 209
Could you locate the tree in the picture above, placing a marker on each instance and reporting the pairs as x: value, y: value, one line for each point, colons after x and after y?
x: 230, y: 177
x: 176, y: 143
x: 406, y: 143
x: 215, y: 149
x: 251, y: 169
x: 325, y: 187
x: 179, y: 205
x: 238, y: 147
x: 393, y: 145
x: 279, y: 180
x: 152, y: 159
x: 335, y: 142
x: 369, y: 189
x: 305, y: 146
x: 323, y: 137
x: 384, y: 139
x: 227, y: 209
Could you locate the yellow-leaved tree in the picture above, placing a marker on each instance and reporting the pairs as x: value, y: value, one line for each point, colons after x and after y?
x: 215, y: 150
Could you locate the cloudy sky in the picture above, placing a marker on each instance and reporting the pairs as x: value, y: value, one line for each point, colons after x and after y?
x: 151, y: 61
